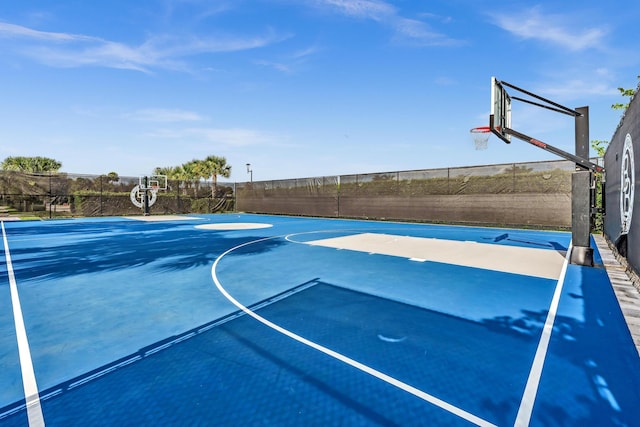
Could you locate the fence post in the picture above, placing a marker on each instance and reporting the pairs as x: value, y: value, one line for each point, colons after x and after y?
x: 50, y: 195
x: 101, y: 201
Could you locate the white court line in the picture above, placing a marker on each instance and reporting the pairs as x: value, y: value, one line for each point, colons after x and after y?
x: 531, y: 389
x: 362, y: 367
x: 34, y: 410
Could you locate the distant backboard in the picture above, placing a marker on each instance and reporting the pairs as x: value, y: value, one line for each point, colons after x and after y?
x: 153, y: 182
x: 500, y: 118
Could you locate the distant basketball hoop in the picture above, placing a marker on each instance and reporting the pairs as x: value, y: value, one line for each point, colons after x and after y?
x: 145, y: 193
x: 480, y: 136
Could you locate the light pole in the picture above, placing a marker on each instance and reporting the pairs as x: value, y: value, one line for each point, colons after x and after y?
x: 250, y: 171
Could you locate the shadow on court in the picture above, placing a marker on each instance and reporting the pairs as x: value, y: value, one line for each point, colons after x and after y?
x: 237, y: 371
x: 91, y: 247
x: 233, y: 371
x: 592, y: 371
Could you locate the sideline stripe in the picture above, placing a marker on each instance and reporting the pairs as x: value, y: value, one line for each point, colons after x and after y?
x: 362, y: 367
x: 531, y: 389
x: 32, y: 398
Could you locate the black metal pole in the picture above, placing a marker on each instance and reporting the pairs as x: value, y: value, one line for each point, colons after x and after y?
x: 560, y: 108
x: 145, y: 195
x: 582, y: 253
x: 50, y: 195
x: 101, y: 195
x: 579, y: 161
x: 581, y: 195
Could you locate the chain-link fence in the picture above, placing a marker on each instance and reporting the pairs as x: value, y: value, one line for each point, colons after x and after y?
x: 519, y: 194
x: 306, y: 196
x: 61, y: 195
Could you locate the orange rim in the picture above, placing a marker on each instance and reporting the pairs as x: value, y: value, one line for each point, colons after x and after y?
x: 481, y: 129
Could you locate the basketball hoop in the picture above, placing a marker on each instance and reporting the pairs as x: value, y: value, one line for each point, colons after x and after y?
x: 480, y: 137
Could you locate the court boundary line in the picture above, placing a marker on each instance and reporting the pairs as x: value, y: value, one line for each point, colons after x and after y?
x: 338, y: 356
x: 29, y: 384
x: 528, y: 400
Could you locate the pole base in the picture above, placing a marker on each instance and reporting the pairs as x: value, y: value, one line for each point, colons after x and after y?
x: 582, y: 255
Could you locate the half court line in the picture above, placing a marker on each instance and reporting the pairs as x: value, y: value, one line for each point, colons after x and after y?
x: 32, y: 398
x: 345, y: 359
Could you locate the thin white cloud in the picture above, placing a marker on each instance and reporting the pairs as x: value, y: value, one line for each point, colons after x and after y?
x: 228, y: 136
x: 406, y: 29
x: 445, y: 81
x: 303, y: 53
x: 557, y: 29
x: 17, y: 31
x: 289, y: 63
x: 209, y: 9
x: 164, y: 115
x: 75, y: 50
x: 433, y: 16
x: 367, y: 9
x: 579, y: 88
x: 420, y: 33
x: 280, y: 66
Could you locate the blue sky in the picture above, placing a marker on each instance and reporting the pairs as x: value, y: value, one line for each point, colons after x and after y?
x: 302, y: 88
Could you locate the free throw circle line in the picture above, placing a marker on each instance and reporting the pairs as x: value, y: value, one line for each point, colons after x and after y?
x: 341, y: 357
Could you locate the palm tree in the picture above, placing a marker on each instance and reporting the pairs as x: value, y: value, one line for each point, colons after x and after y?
x: 177, y: 173
x: 190, y: 173
x: 212, y: 166
x: 170, y: 171
x: 113, y: 177
x: 31, y: 164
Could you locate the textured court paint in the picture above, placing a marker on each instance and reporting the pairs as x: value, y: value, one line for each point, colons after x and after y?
x: 158, y: 218
x: 32, y: 398
x: 386, y: 378
x: 509, y: 259
x: 531, y: 389
x: 178, y: 255
x: 234, y: 226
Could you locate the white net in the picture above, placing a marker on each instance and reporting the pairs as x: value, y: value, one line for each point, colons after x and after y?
x: 480, y: 138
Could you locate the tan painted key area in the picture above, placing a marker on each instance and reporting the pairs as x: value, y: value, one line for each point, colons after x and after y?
x: 509, y: 259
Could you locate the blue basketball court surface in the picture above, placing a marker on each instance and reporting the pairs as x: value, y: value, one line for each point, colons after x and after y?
x: 272, y: 320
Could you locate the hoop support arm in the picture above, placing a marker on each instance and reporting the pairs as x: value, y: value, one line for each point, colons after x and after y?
x: 548, y: 107
x: 566, y: 110
x: 583, y: 163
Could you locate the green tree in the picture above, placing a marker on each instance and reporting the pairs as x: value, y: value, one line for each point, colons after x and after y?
x: 212, y: 167
x: 189, y: 175
x: 601, y: 146
x: 624, y: 92
x: 185, y: 173
x: 31, y: 164
x: 113, y: 177
x: 172, y: 172
x: 195, y: 170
